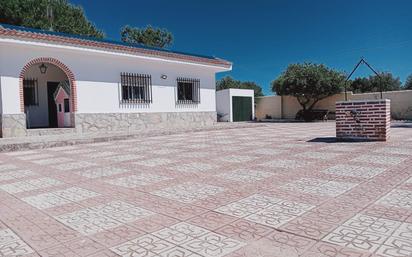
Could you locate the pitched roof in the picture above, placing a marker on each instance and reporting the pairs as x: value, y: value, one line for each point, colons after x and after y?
x: 65, y: 86
x: 117, y: 46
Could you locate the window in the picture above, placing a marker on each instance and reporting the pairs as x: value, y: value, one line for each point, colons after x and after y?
x: 66, y: 105
x: 136, y: 88
x: 30, y: 92
x: 188, y: 90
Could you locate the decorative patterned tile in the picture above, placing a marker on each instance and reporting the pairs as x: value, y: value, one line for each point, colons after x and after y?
x: 379, y: 159
x: 7, y: 167
x: 236, y: 158
x: 167, y: 151
x: 397, y: 198
x: 180, y: 233
x: 193, y: 154
x: 46, y: 200
x: 269, y: 211
x: 285, y: 164
x: 12, y: 245
x: 29, y: 185
x: 319, y: 187
x: 353, y: 171
x: 212, y: 244
x: 101, y: 172
x: 74, y: 165
x: 194, y: 167
x: 154, y: 162
x: 356, y: 239
x: 75, y: 194
x: 396, y: 247
x: 123, y: 158
x: 394, y: 150
x: 318, y: 155
x: 52, y: 161
x: 279, y: 214
x: 34, y: 157
x: 179, y: 252
x: 404, y: 231
x: 21, y: 153
x: 245, y: 231
x: 102, y: 217
x: 147, y: 245
x: 362, y: 222
x: 246, y: 175
x: 135, y: 181
x: 102, y: 154
x: 238, y: 210
x: 16, y: 174
x: 372, y: 224
x: 189, y: 192
x: 268, y: 151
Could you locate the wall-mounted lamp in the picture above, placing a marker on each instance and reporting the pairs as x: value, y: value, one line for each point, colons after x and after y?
x: 163, y: 76
x: 43, y: 68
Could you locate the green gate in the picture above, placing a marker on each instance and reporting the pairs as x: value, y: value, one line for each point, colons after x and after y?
x: 242, y: 108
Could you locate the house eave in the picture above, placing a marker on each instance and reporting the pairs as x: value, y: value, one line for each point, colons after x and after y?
x: 19, y: 41
x: 50, y: 39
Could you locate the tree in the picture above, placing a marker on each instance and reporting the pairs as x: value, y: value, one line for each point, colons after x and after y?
x: 408, y: 83
x: 229, y: 82
x: 385, y: 82
x: 309, y: 83
x: 360, y: 85
x: 67, y: 18
x: 149, y: 36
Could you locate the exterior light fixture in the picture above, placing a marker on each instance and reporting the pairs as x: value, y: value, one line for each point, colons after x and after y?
x: 163, y: 76
x: 43, y: 68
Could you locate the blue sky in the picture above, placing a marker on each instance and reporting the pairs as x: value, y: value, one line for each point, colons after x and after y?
x: 262, y: 37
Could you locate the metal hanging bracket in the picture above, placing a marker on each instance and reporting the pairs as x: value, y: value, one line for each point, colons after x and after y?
x: 363, y: 61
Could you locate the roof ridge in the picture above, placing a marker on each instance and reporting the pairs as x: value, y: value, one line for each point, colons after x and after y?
x: 106, y: 41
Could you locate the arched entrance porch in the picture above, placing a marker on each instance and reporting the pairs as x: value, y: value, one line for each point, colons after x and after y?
x: 47, y: 94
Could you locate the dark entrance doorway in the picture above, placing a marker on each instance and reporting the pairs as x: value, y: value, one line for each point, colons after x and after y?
x: 242, y: 108
x: 51, y: 88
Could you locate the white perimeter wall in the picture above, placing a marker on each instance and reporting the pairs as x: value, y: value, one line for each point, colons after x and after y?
x: 224, y: 101
x: 98, y: 79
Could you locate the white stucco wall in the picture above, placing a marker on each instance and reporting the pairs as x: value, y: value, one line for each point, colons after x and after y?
x: 98, y: 78
x: 224, y: 101
x: 223, y: 104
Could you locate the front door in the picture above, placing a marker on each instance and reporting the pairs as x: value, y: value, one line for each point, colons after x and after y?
x: 51, y: 88
x: 242, y: 108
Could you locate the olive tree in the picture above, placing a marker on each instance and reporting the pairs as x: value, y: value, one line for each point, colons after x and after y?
x: 309, y: 83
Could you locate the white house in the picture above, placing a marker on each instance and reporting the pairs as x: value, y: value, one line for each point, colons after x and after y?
x: 112, y: 86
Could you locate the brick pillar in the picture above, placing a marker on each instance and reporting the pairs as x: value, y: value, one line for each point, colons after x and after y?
x: 364, y: 119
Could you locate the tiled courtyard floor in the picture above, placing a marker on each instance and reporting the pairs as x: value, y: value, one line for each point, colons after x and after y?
x: 261, y: 192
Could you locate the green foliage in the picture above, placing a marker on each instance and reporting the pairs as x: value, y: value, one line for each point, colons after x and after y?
x: 309, y: 83
x: 68, y: 18
x: 408, y: 83
x: 229, y: 82
x: 149, y: 36
x: 374, y: 83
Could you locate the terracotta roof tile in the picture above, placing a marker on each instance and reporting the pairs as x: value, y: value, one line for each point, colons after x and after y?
x: 88, y: 42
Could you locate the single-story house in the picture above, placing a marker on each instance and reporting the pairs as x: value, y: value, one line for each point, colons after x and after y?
x: 100, y: 85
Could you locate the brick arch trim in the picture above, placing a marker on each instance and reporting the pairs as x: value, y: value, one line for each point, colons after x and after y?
x: 63, y: 67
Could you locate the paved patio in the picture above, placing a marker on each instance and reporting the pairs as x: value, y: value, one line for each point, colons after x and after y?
x: 259, y: 191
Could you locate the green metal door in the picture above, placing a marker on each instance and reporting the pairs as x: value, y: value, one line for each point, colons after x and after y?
x: 242, y: 108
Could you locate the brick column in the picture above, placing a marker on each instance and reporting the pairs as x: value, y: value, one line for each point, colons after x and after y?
x: 363, y: 119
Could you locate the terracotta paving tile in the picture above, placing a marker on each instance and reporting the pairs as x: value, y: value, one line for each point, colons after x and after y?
x: 233, y: 192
